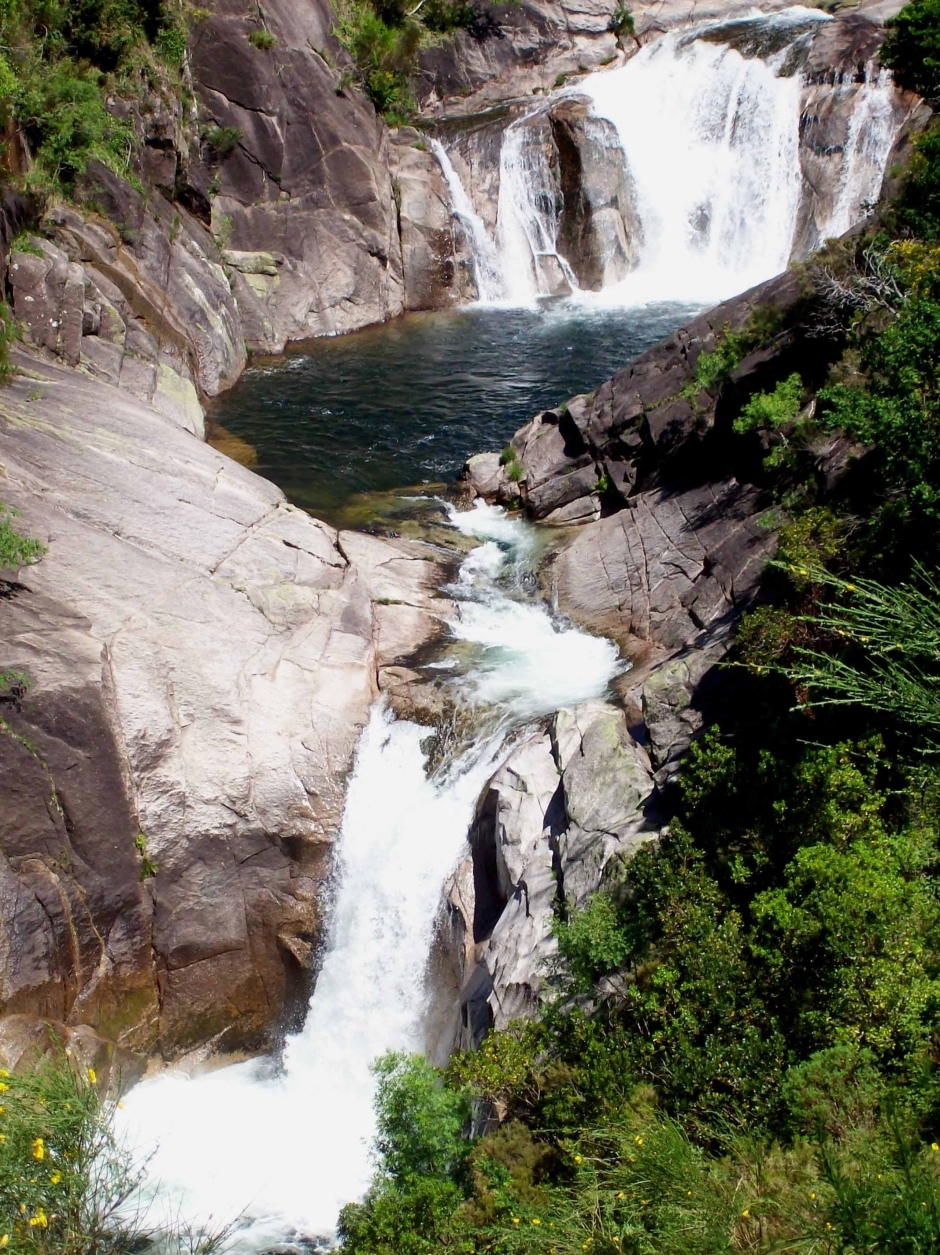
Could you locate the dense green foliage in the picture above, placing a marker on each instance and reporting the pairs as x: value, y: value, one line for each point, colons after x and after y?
x: 912, y: 48
x: 60, y: 62
x: 385, y: 36
x: 742, y: 1052
x: 16, y: 550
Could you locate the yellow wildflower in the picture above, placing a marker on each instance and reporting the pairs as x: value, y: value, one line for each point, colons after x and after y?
x: 4, y: 1072
x: 38, y: 1149
x: 620, y: 1194
x: 746, y: 1212
x: 55, y: 1178
x: 813, y: 1197
x: 535, y: 1220
x: 92, y: 1076
x: 5, y: 1240
x: 850, y: 587
x: 578, y: 1159
x: 3, y: 1087
x: 515, y: 1219
x: 828, y: 1225
x: 935, y: 1147
x: 639, y: 1141
x: 39, y: 1220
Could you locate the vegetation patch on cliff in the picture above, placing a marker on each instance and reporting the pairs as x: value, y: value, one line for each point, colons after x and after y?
x: 62, y: 65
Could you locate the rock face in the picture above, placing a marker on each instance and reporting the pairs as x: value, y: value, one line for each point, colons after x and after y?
x: 301, y: 170
x: 436, y: 263
x: 136, y: 293
x: 202, y: 657
x: 674, y: 534
x: 567, y: 801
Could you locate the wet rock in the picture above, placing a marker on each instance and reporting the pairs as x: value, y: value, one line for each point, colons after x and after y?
x: 435, y: 259
x: 599, y: 231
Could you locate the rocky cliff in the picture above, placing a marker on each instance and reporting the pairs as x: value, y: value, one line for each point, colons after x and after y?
x: 668, y: 524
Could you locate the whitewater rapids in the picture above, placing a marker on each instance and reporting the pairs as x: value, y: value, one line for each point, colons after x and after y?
x: 284, y: 1144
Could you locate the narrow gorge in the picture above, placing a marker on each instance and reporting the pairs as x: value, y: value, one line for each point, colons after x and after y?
x: 397, y: 525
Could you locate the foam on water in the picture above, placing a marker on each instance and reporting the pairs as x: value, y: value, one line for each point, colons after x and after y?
x: 285, y: 1143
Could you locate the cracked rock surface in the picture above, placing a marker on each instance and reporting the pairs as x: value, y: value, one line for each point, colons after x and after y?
x: 202, y: 658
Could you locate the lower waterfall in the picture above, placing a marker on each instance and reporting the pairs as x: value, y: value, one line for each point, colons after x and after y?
x: 284, y: 1145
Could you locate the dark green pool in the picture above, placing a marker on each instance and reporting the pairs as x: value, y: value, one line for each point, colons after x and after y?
x: 406, y: 403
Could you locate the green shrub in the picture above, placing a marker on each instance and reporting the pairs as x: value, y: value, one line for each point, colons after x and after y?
x: 16, y: 550
x: 64, y: 1176
x: 516, y: 472
x: 222, y: 140
x: 912, y: 48
x: 422, y: 1154
x: 264, y: 40
x: 621, y: 22
x: 591, y: 942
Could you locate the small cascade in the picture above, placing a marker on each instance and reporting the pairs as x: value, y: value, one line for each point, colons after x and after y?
x: 528, y: 219
x: 483, y: 256
x: 873, y: 128
x: 282, y: 1146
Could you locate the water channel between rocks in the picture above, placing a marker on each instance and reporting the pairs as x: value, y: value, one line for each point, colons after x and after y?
x: 283, y: 1142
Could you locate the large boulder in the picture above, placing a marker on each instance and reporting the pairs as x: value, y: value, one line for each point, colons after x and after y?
x: 573, y: 796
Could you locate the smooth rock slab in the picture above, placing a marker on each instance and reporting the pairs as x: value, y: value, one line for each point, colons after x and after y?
x: 221, y: 644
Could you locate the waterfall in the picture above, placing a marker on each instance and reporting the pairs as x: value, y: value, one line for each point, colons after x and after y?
x: 873, y: 128
x: 483, y: 257
x: 285, y: 1146
x: 712, y: 141
x: 709, y: 122
x: 528, y: 218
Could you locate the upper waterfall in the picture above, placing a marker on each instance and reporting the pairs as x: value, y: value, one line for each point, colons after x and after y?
x: 709, y: 125
x: 712, y: 139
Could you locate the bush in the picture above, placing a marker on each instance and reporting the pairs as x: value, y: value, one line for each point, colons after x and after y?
x: 912, y: 48
x: 222, y: 140
x: 60, y: 62
x: 422, y: 1157
x: 16, y: 550
x: 65, y: 1180
x: 263, y: 40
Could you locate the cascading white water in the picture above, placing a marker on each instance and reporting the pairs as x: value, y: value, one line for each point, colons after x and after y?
x: 527, y: 220
x: 483, y: 255
x: 712, y: 141
x: 873, y: 128
x: 285, y: 1147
